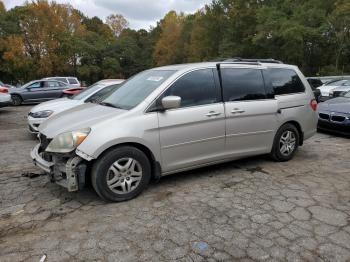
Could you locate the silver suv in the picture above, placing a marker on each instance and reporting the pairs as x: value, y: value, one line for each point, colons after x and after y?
x: 176, y: 118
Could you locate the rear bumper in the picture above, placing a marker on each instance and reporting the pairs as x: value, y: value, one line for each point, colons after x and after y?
x: 3, y: 104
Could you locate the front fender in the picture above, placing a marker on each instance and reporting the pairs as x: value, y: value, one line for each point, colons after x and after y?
x: 142, y: 130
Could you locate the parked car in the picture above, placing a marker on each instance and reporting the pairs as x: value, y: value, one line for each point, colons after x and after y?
x: 71, y: 91
x: 72, y: 81
x: 334, y: 115
x: 43, y: 111
x: 5, y: 99
x: 176, y: 118
x: 38, y: 91
x: 340, y: 90
x: 314, y: 82
x: 326, y: 88
x: 4, y: 89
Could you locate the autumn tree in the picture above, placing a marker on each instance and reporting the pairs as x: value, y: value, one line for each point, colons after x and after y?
x: 117, y: 23
x: 2, y: 7
x: 169, y: 46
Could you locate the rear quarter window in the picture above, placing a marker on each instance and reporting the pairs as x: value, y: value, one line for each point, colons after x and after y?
x: 72, y: 81
x: 285, y: 81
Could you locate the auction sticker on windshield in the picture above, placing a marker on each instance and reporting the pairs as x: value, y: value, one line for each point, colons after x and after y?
x: 155, y: 78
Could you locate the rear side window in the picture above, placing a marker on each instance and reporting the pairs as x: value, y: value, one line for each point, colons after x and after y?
x: 72, y: 81
x: 51, y: 84
x: 62, y: 79
x: 195, y: 88
x: 242, y: 84
x: 285, y: 81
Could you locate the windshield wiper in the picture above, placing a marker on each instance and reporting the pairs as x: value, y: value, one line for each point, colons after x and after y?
x: 109, y: 104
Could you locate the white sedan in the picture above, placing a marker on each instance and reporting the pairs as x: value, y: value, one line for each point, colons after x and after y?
x: 327, y: 87
x: 93, y: 93
x: 5, y: 99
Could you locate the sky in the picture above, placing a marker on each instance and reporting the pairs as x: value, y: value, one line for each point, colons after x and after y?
x: 139, y: 13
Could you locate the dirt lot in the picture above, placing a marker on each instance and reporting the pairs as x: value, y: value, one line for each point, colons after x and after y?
x: 251, y: 209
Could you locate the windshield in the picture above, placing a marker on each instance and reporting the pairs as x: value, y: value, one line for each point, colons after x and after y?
x: 87, y: 91
x: 335, y: 83
x: 347, y: 95
x: 135, y: 90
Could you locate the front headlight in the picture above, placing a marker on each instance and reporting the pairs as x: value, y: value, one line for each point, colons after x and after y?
x: 42, y: 114
x: 67, y: 142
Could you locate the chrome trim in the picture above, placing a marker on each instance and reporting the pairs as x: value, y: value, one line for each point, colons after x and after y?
x: 250, y: 133
x: 193, y: 142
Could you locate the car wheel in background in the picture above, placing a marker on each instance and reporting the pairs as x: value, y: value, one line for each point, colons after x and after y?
x: 16, y: 100
x: 121, y: 174
x: 286, y: 143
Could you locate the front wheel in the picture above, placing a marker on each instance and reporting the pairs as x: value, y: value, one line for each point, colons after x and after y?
x: 16, y: 100
x: 286, y: 143
x: 121, y: 174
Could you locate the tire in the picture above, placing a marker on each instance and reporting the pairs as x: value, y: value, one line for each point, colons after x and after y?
x: 280, y: 153
x: 16, y: 100
x: 114, y: 168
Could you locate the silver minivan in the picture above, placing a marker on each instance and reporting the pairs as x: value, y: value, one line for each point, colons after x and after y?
x: 176, y: 118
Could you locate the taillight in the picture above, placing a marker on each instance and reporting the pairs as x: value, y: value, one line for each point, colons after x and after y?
x: 313, y: 104
x: 4, y: 90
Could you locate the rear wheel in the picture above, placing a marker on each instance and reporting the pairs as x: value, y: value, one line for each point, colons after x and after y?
x: 286, y: 143
x: 16, y: 100
x: 121, y: 174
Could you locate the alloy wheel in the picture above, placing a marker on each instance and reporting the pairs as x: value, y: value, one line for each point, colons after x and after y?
x: 124, y: 175
x: 287, y: 143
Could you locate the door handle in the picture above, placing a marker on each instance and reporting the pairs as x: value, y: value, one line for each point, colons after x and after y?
x: 237, y: 111
x: 213, y: 113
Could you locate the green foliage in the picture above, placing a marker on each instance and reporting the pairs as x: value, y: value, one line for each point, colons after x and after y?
x: 43, y: 39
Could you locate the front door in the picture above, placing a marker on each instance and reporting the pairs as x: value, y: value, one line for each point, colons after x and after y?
x: 193, y: 134
x: 251, y: 112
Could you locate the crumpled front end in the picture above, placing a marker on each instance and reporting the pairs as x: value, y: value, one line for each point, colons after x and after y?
x: 67, y: 170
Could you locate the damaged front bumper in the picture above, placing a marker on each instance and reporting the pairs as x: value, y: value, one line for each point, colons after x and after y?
x: 65, y: 170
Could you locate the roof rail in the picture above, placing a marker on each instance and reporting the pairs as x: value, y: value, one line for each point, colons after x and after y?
x: 251, y: 60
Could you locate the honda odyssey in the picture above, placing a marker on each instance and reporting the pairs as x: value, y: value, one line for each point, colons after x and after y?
x: 176, y: 118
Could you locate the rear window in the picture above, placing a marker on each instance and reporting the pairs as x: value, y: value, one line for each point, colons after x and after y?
x: 72, y: 81
x: 285, y: 81
x: 242, y: 84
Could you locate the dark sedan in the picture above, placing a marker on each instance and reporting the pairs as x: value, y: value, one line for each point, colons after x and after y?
x: 334, y: 115
x: 38, y: 91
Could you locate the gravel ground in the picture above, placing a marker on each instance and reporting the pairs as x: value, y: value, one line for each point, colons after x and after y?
x: 247, y: 210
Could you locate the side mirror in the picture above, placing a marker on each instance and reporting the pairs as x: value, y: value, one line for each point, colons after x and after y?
x: 171, y: 102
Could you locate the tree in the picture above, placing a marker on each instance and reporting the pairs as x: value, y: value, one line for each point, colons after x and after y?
x: 340, y: 30
x: 2, y: 7
x: 169, y: 45
x: 117, y: 23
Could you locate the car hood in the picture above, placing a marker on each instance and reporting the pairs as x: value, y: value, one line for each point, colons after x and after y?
x: 339, y: 104
x: 82, y: 116
x: 57, y: 105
